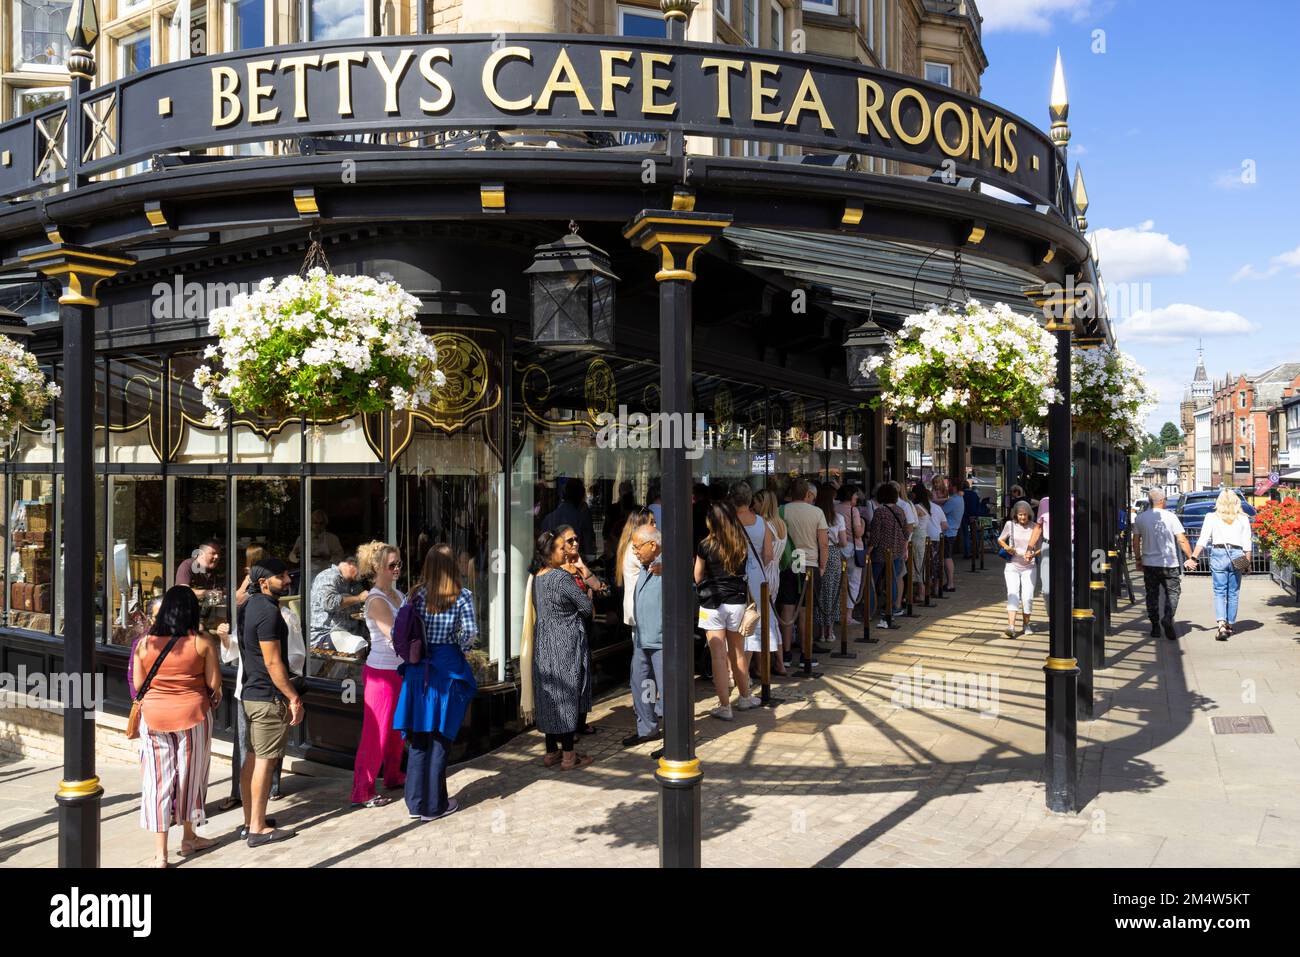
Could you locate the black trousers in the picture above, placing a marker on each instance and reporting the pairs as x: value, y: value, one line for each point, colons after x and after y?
x: 1158, y: 581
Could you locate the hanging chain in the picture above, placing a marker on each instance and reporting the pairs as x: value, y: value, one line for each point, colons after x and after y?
x: 958, y: 280
x: 315, y: 256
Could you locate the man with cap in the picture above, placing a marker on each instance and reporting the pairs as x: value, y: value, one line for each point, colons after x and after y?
x: 270, y: 701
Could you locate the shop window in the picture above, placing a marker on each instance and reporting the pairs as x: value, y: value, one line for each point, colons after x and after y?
x: 135, y: 410
x: 777, y: 24
x: 31, y: 555
x: 245, y: 24
x: 200, y: 517
x: 192, y: 441
x: 267, y: 440
x: 268, y: 513
x: 36, y: 438
x: 823, y: 6
x: 40, y: 38
x: 136, y: 559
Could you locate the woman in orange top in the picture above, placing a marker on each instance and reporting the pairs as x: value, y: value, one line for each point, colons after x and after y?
x: 175, y: 725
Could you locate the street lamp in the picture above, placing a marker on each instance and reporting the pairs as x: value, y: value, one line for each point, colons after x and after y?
x: 572, y: 294
x: 13, y: 325
x: 864, y: 342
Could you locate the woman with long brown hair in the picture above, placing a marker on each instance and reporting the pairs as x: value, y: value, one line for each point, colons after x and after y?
x: 720, y: 584
x: 437, y: 688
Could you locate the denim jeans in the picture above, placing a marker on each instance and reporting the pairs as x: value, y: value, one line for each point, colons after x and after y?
x: 426, y: 773
x: 1227, y: 583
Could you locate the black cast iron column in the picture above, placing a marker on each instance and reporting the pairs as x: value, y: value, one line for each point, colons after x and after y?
x: 79, y: 271
x: 1097, y: 584
x: 1085, y: 506
x: 676, y: 236
x: 1061, y: 669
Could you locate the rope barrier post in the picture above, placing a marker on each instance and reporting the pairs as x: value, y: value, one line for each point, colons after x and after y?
x: 765, y: 664
x: 844, y: 614
x: 889, y: 588
x: 982, y: 543
x: 807, y: 644
x: 927, y: 569
x: 866, y: 598
x: 908, y: 583
x: 940, y: 568
x: 974, y: 534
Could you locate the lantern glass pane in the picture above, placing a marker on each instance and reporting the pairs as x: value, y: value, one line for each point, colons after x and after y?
x: 602, y: 310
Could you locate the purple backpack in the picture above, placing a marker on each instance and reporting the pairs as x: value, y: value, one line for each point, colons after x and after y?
x: 408, y: 633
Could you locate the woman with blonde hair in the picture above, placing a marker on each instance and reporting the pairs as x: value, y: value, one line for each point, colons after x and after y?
x: 437, y: 687
x: 380, y: 745
x: 720, y: 584
x: 766, y: 505
x: 1226, y: 532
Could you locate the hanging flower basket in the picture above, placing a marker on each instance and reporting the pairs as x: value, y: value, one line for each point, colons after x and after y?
x: 1109, y: 395
x: 1278, y: 527
x: 25, y: 393
x: 320, y: 346
x: 972, y: 362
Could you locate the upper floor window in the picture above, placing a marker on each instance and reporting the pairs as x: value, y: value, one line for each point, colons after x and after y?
x: 822, y: 6
x: 40, y: 42
x: 1241, y: 399
x: 778, y: 25
x: 135, y: 53
x: 749, y: 29
x: 638, y: 22
x: 938, y: 73
x: 245, y: 24
x: 723, y: 9
x: 337, y: 19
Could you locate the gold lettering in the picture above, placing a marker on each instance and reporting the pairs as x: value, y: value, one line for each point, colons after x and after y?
x: 948, y: 106
x: 895, y: 116
x: 1008, y: 131
x: 391, y: 76
x: 225, y: 90
x: 571, y: 84
x: 490, y: 67
x: 724, y: 68
x: 808, y: 98
x: 440, y: 82
x: 649, y: 85
x: 299, y: 64
x: 758, y: 92
x: 989, y: 137
x: 257, y: 91
x: 345, y: 62
x: 609, y: 80
x: 869, y: 111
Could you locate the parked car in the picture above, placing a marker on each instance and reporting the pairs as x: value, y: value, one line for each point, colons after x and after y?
x: 1191, y: 511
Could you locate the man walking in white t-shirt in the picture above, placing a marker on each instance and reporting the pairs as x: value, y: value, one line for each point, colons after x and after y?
x: 1157, y: 537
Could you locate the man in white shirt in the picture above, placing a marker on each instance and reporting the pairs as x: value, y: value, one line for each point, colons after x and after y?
x: 1158, y: 536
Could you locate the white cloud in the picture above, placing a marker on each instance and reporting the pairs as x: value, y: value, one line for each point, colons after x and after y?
x: 1182, y: 321
x: 1137, y: 252
x: 1232, y: 179
x: 1032, y: 15
x: 1286, y: 260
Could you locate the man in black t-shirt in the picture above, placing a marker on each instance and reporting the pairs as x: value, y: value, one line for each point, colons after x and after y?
x: 271, y: 703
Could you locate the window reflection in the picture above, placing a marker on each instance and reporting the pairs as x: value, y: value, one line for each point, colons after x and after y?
x: 135, y: 566
x: 201, y: 542
x: 31, y: 557
x: 338, y: 19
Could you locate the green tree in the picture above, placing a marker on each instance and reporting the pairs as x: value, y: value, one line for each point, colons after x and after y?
x: 1170, y: 435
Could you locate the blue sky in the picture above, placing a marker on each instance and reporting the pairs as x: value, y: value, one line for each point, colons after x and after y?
x: 1163, y: 120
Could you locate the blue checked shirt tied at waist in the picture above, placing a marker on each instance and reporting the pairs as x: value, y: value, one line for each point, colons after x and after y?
x: 455, y: 626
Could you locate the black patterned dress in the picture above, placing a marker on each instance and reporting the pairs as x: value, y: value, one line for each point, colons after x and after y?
x: 561, y: 673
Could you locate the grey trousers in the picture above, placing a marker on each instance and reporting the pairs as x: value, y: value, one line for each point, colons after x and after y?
x: 647, y: 689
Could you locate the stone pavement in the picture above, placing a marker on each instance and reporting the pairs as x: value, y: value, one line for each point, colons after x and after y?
x: 869, y: 765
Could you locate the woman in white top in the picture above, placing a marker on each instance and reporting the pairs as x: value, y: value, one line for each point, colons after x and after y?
x: 766, y: 505
x: 920, y: 535
x: 1226, y: 533
x: 1018, y: 537
x: 760, y: 554
x: 380, y: 745
x: 847, y: 500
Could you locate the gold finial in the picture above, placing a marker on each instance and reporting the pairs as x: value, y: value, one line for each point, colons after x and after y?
x: 1080, y: 198
x: 83, y: 24
x: 677, y: 9
x: 1059, y: 105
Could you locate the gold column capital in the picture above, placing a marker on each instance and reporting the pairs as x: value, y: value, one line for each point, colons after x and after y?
x: 79, y: 270
x: 677, y: 235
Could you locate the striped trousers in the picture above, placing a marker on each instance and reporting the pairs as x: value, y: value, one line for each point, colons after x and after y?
x: 174, y: 772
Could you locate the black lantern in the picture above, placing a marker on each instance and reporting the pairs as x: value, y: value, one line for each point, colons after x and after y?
x: 864, y: 342
x: 572, y: 295
x: 13, y: 325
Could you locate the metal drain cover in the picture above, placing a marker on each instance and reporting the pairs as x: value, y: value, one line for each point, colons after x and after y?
x: 1242, y: 724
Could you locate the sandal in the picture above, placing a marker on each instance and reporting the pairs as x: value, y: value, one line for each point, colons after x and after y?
x: 198, y: 846
x: 378, y: 800
x: 587, y: 729
x: 160, y: 861
x: 552, y: 759
x: 229, y: 804
x: 579, y: 761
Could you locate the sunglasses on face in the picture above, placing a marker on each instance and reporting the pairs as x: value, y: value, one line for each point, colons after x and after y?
x: 394, y: 566
x: 570, y: 541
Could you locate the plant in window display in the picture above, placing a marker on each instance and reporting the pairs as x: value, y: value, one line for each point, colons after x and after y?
x: 967, y: 362
x: 318, y: 345
x: 25, y: 393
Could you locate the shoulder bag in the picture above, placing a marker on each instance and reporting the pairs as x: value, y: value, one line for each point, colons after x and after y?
x: 133, y: 720
x: 749, y: 620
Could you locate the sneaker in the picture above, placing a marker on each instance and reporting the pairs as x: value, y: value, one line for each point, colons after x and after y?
x: 1029, y: 629
x: 722, y: 713
x: 882, y: 624
x: 1010, y: 633
x: 452, y: 807
x: 1172, y: 635
x: 747, y: 704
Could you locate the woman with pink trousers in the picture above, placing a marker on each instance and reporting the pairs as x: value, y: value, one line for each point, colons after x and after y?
x: 380, y: 745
